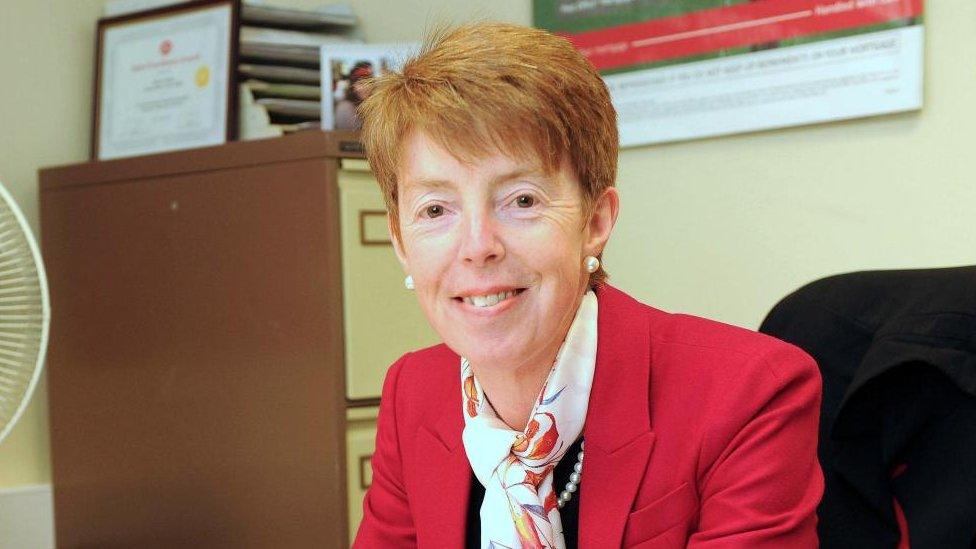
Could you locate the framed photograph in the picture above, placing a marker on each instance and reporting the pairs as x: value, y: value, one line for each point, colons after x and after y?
x: 165, y: 79
x: 346, y: 70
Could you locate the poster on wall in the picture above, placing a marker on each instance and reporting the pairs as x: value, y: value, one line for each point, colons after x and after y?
x: 685, y: 69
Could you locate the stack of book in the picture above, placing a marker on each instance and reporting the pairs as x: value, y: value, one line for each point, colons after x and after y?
x: 279, y: 66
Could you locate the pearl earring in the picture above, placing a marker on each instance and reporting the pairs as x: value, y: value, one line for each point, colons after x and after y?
x: 591, y: 263
x: 408, y: 282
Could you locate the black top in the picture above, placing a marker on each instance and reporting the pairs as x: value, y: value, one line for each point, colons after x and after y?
x: 897, y: 354
x: 568, y: 514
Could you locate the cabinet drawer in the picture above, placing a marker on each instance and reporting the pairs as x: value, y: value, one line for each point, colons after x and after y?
x: 360, y: 441
x: 382, y: 319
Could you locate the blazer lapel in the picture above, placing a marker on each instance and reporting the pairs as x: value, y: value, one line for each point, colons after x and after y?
x: 441, y: 496
x: 617, y: 433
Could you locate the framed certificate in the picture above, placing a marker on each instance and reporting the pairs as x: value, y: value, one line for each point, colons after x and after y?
x: 165, y: 79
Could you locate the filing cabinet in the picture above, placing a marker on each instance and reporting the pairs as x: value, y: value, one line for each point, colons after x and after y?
x: 360, y: 443
x: 222, y: 320
x: 382, y: 319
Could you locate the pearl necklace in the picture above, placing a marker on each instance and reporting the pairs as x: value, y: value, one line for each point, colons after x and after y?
x: 574, y: 480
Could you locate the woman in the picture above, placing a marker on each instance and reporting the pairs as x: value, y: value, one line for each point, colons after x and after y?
x: 559, y: 411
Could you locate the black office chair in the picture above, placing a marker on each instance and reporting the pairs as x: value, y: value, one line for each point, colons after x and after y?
x: 897, y: 353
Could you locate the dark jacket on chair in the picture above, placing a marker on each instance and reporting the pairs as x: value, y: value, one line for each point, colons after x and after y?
x: 897, y: 354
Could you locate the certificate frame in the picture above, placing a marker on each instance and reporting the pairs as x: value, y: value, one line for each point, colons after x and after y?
x: 122, y: 125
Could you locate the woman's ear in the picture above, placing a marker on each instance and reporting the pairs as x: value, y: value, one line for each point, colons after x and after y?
x: 599, y: 225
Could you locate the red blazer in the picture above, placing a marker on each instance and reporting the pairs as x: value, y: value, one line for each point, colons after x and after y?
x: 698, y: 435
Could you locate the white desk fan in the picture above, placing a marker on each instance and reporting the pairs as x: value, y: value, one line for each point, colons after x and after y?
x: 25, y: 313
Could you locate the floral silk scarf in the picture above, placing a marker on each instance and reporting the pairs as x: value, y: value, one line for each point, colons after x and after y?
x: 519, y: 509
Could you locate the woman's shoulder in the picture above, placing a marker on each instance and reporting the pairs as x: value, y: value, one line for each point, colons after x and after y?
x: 712, y: 336
x: 721, y: 361
x: 426, y: 371
x: 436, y: 357
x: 709, y: 376
x: 705, y: 347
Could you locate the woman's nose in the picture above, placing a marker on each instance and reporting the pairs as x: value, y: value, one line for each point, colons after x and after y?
x: 481, y: 244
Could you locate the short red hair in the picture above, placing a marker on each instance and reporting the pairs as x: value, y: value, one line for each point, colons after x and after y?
x: 486, y: 87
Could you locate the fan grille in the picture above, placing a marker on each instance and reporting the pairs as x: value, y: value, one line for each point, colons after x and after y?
x: 24, y: 313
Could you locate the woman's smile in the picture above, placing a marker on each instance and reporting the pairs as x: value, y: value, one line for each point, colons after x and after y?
x: 490, y: 302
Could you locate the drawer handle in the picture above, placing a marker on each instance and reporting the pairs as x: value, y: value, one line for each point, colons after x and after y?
x: 373, y: 240
x: 364, y: 462
x: 347, y: 146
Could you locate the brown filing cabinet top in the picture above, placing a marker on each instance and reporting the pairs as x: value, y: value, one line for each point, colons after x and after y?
x: 298, y: 146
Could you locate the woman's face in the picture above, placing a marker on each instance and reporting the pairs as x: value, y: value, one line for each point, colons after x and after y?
x: 496, y: 251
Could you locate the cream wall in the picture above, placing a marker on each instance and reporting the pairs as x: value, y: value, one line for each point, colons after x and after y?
x: 725, y: 227
x: 46, y: 52
x: 719, y: 227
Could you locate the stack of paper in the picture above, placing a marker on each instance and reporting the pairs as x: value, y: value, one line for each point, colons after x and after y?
x: 276, y: 73
x: 255, y: 119
x: 280, y: 63
x: 289, y: 46
x: 322, y: 17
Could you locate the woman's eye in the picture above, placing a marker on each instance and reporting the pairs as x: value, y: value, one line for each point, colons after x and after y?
x: 525, y: 201
x: 434, y: 210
